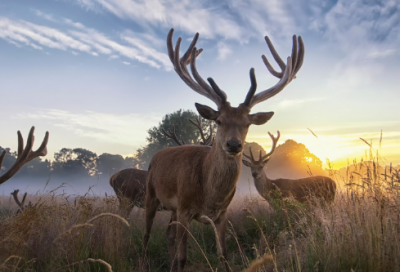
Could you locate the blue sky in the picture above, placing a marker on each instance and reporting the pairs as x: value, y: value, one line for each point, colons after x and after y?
x: 95, y: 73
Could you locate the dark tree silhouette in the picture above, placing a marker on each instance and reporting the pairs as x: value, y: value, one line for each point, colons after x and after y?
x: 157, y: 141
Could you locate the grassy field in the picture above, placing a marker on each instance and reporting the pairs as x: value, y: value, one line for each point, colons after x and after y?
x: 360, y: 231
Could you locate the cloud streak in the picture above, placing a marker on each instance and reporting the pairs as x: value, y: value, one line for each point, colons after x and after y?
x: 80, y: 39
x: 129, y: 129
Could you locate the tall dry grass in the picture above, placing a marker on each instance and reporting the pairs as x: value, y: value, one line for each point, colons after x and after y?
x: 360, y: 231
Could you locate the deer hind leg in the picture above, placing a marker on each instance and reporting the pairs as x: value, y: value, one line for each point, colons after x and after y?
x: 171, y: 235
x: 220, y: 224
x: 182, y: 229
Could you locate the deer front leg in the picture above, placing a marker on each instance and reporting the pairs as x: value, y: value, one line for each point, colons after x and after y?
x: 171, y: 235
x: 220, y: 224
x: 152, y: 205
x: 182, y: 231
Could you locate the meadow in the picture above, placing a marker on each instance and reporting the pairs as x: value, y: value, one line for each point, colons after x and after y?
x: 359, y: 231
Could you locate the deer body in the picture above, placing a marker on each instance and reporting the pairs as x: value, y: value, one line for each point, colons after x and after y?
x: 131, y: 184
x: 197, y: 182
x: 300, y: 189
x: 201, y: 178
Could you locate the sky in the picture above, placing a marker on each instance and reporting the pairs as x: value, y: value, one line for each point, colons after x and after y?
x: 96, y: 74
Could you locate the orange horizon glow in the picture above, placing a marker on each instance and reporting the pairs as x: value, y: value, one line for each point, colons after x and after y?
x: 337, y: 151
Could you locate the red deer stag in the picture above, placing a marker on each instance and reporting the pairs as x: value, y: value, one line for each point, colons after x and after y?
x: 25, y: 155
x: 300, y: 189
x: 196, y: 182
x: 130, y: 184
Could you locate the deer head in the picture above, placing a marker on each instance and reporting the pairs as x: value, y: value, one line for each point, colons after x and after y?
x: 233, y: 122
x: 258, y: 166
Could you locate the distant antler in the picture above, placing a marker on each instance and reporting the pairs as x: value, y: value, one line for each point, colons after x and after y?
x: 266, y: 156
x: 21, y: 205
x: 172, y: 135
x: 206, y: 141
x: 25, y: 155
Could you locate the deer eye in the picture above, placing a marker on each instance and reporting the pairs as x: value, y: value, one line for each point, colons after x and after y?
x: 218, y: 122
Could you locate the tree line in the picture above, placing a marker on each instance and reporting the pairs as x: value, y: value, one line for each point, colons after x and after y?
x: 80, y: 162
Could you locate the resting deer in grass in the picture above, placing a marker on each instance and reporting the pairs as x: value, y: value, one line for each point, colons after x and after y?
x: 300, y: 189
x: 196, y: 182
x: 130, y: 184
x: 25, y: 155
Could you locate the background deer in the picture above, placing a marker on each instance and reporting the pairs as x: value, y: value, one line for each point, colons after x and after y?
x: 130, y: 184
x: 25, y: 155
x: 300, y: 189
x: 196, y: 182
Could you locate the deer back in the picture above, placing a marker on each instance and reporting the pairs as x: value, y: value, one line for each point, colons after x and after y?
x: 301, y: 189
x: 130, y: 183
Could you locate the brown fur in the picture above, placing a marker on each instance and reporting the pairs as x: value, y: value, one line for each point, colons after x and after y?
x: 197, y: 181
x: 300, y: 189
x: 129, y: 185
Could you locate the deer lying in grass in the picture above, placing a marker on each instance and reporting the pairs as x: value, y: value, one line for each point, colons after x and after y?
x: 198, y: 182
x: 130, y: 184
x: 25, y: 155
x: 300, y: 189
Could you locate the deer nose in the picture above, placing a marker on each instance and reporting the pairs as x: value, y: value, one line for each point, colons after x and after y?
x: 234, y: 145
x: 254, y: 174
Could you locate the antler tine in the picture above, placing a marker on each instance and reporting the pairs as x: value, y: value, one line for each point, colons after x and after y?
x: 199, y: 86
x: 288, y: 73
x: 15, y: 196
x: 24, y: 154
x: 41, y: 151
x: 3, y: 154
x: 274, y: 142
x: 172, y: 135
x: 251, y: 155
x: 253, y: 88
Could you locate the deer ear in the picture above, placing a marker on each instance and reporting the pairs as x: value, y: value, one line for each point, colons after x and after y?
x: 206, y: 112
x: 260, y: 118
x: 247, y: 163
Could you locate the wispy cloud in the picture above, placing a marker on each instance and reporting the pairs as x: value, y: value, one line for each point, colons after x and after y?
x: 369, y: 26
x: 81, y: 39
x: 223, y: 50
x: 189, y: 16
x: 129, y: 129
x: 296, y: 102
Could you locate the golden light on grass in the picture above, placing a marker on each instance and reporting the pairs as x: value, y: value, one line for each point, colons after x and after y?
x: 360, y: 230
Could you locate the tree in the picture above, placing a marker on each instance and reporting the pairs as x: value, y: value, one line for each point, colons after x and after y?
x: 157, y: 141
x: 77, y: 161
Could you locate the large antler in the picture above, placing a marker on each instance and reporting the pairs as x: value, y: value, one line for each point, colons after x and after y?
x: 205, y: 141
x: 266, y: 156
x: 25, y: 155
x: 198, y: 84
x: 288, y: 73
x: 172, y: 135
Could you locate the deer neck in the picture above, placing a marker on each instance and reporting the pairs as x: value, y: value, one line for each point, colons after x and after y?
x: 263, y: 184
x: 223, y: 172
